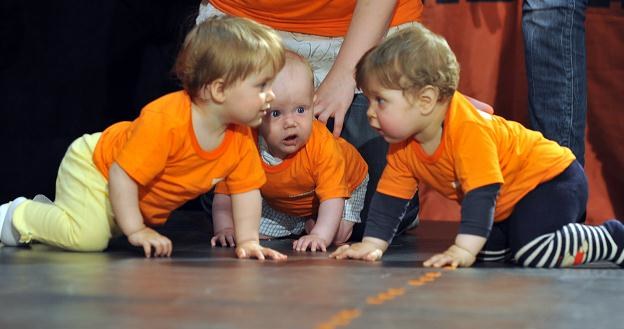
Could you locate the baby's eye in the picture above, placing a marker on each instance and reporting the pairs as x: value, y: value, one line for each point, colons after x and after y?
x: 275, y: 113
x: 262, y: 85
x: 300, y: 109
x: 379, y: 100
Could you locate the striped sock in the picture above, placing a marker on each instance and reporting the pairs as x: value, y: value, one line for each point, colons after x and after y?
x: 575, y: 244
x: 494, y: 255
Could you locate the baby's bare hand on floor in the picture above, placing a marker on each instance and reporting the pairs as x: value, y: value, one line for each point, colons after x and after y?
x: 151, y: 240
x: 314, y: 242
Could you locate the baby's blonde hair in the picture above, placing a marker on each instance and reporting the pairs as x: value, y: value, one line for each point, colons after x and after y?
x: 294, y: 57
x: 410, y: 59
x: 226, y: 47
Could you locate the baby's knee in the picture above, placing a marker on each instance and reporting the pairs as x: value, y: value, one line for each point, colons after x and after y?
x: 89, y: 241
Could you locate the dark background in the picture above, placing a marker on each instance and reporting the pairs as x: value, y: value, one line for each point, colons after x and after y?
x: 72, y: 67
x: 69, y: 67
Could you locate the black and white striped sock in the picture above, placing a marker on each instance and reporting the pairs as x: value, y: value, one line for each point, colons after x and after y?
x: 494, y: 255
x: 575, y: 244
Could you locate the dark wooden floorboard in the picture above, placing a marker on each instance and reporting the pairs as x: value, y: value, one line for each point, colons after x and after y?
x: 204, y: 287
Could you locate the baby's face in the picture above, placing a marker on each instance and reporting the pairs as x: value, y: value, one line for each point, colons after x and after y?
x: 287, y: 125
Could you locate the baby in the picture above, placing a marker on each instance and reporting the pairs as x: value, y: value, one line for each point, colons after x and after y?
x: 315, y: 182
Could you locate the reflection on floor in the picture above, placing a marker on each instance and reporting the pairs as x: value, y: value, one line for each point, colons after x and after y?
x: 201, y: 287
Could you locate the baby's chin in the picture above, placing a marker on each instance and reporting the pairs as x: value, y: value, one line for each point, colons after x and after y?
x: 289, y: 149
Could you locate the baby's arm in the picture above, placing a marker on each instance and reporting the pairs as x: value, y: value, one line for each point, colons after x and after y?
x: 477, y: 218
x: 384, y: 217
x: 246, y: 211
x: 327, y: 221
x: 222, y: 223
x: 125, y: 202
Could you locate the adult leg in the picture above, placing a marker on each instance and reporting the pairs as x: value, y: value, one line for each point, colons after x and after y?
x: 554, y: 41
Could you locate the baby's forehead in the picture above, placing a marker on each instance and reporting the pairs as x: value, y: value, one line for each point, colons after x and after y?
x: 294, y: 78
x: 298, y: 65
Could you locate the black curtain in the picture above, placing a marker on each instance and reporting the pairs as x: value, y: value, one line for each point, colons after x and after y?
x: 70, y: 67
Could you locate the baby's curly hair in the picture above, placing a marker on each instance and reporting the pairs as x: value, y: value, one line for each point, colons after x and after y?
x: 226, y: 47
x: 410, y: 59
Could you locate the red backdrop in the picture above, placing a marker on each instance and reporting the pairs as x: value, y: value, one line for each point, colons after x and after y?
x: 487, y: 39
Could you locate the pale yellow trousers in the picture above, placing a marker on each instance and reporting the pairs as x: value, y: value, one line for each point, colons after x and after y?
x: 81, y: 217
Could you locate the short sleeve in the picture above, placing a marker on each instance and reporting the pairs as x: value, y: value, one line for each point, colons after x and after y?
x: 397, y: 179
x: 476, y: 157
x: 329, y: 170
x: 145, y: 153
x: 248, y: 173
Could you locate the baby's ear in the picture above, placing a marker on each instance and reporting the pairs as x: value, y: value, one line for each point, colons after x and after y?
x: 214, y: 91
x: 427, y: 98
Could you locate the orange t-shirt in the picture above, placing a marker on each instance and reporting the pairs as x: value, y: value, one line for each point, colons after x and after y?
x: 329, y: 18
x: 325, y: 168
x: 159, y: 150
x: 476, y: 149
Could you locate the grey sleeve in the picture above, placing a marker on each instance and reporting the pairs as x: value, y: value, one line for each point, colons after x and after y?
x: 477, y: 210
x: 384, y: 216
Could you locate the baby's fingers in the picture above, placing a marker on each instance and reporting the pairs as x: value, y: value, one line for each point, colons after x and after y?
x: 230, y: 240
x: 438, y: 260
x: 373, y: 255
x: 338, y: 252
x: 272, y: 254
x: 147, y: 248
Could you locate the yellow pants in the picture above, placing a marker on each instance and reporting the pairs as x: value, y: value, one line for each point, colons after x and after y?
x: 81, y: 217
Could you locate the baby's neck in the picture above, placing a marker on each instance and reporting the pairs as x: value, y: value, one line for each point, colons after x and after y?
x: 431, y: 137
x: 266, y: 155
x: 208, y: 130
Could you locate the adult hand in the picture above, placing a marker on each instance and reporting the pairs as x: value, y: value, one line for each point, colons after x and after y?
x: 253, y: 249
x: 225, y: 238
x: 148, y: 239
x: 454, y: 256
x: 334, y: 97
x: 313, y: 241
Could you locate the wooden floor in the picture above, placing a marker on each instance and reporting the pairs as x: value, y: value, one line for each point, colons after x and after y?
x: 202, y: 287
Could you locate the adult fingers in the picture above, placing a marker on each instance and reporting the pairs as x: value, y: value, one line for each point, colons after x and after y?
x: 324, y: 117
x: 338, y: 122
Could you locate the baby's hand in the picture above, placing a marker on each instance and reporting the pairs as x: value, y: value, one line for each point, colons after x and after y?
x: 148, y: 238
x: 363, y: 250
x: 225, y: 237
x: 454, y: 256
x: 311, y: 240
x: 253, y: 248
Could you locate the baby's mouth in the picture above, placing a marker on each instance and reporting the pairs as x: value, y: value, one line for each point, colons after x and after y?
x: 290, y: 139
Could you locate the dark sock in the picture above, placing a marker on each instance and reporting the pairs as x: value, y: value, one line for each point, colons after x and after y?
x: 616, y: 229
